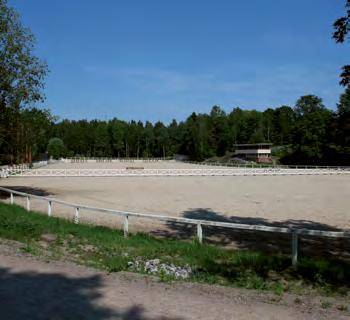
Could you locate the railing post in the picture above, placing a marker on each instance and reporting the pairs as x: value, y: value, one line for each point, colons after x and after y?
x: 126, y: 225
x: 199, y: 233
x: 49, y: 208
x: 294, y: 248
x: 11, y: 198
x: 28, y: 204
x: 76, y: 215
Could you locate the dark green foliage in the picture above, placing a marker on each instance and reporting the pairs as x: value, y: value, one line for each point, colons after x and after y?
x: 341, y: 33
x: 309, y: 133
x: 56, y: 148
x: 21, y: 82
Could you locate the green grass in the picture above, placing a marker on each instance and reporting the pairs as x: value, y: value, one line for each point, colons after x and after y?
x: 109, y: 250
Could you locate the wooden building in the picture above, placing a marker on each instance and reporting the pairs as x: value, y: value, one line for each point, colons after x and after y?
x: 258, y: 152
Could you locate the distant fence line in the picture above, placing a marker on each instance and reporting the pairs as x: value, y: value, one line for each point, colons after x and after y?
x: 265, y: 165
x: 110, y: 159
x: 295, y: 232
x: 143, y: 172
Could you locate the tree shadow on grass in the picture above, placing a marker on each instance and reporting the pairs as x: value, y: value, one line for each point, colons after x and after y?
x: 33, y: 295
x: 260, y: 240
x: 26, y: 189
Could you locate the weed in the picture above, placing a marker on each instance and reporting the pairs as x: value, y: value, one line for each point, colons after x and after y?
x: 297, y: 300
x: 342, y: 307
x: 326, y: 305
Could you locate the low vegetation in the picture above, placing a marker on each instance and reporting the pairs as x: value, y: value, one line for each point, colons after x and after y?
x: 109, y: 250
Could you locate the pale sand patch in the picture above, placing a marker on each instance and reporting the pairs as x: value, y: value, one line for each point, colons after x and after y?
x: 320, y: 199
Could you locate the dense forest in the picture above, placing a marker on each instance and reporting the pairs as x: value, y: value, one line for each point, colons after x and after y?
x: 306, y: 133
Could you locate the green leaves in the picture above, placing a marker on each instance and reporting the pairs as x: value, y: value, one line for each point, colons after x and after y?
x: 21, y: 83
x: 56, y: 148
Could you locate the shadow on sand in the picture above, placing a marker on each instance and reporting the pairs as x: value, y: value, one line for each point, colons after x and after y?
x: 25, y: 189
x: 259, y: 240
x: 32, y: 295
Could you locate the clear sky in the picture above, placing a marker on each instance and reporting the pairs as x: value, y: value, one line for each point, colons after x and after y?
x: 162, y: 59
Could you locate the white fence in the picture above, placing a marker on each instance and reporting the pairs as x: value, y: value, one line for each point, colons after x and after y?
x: 141, y: 172
x: 295, y: 232
x: 108, y: 159
x: 265, y: 165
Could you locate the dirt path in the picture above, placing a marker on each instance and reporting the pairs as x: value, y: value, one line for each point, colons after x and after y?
x: 34, y: 289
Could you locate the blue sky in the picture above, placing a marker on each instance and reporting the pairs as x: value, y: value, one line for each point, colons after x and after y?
x: 162, y: 59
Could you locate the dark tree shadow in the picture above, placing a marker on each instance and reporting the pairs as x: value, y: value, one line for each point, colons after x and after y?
x: 25, y: 189
x: 32, y: 295
x: 259, y: 240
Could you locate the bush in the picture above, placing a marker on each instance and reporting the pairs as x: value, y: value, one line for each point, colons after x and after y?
x: 56, y: 148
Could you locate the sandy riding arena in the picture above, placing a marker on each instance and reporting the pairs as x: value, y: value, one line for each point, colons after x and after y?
x: 306, y: 201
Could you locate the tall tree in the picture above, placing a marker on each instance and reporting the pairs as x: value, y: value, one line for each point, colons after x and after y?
x: 21, y: 77
x: 310, y: 129
x: 343, y: 125
x: 341, y: 33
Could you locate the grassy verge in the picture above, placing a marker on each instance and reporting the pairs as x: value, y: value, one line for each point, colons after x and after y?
x: 107, y: 249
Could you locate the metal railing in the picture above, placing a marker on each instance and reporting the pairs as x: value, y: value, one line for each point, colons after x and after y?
x: 295, y: 232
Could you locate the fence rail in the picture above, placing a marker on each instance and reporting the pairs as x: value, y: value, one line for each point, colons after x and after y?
x: 295, y: 232
x: 265, y: 165
x: 110, y: 159
x: 135, y: 172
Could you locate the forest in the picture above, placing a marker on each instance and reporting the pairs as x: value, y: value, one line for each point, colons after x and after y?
x: 305, y: 133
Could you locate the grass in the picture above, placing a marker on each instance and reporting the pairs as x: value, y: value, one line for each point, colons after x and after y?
x: 108, y: 249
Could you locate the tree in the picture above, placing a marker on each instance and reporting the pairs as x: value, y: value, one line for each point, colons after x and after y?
x: 343, y: 125
x: 308, y: 104
x: 284, y: 118
x: 56, y: 148
x: 309, y: 133
x: 117, y: 130
x: 341, y: 32
x: 102, y: 141
x: 21, y: 78
x: 35, y: 125
x: 162, y: 139
x: 219, y: 131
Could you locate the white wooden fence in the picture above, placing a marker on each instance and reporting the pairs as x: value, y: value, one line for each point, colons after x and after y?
x: 124, y: 172
x: 109, y: 159
x: 295, y: 232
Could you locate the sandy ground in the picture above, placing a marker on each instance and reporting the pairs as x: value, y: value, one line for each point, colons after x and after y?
x: 34, y: 289
x: 313, y: 202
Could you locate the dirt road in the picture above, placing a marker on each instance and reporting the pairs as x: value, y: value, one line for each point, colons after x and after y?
x: 35, y: 289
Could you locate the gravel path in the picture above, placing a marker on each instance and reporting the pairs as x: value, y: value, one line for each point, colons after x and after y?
x: 34, y: 289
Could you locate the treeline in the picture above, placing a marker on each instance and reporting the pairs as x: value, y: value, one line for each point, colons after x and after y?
x: 308, y: 133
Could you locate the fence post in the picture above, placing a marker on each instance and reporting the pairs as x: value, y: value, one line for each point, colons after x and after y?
x: 76, y: 215
x: 49, y: 208
x: 199, y: 233
x: 28, y: 204
x: 126, y: 225
x: 294, y: 248
x: 11, y: 198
